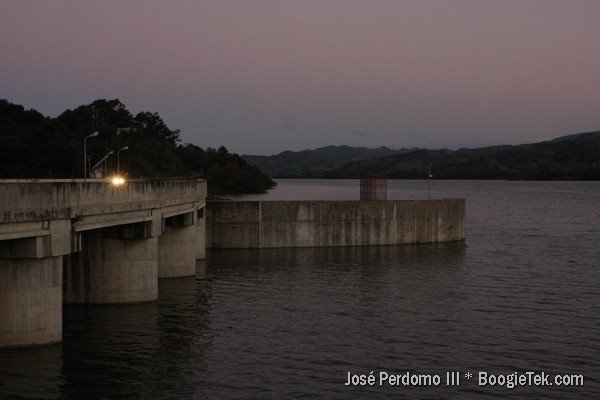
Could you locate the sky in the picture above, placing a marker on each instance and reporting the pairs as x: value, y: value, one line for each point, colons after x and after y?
x: 261, y: 77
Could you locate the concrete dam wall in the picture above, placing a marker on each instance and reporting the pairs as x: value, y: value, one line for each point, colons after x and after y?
x: 268, y: 224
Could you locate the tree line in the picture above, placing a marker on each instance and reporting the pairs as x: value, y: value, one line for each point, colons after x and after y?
x: 37, y: 146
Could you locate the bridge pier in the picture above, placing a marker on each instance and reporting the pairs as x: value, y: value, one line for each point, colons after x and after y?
x: 177, y: 246
x: 201, y: 234
x: 91, y: 242
x: 30, y: 301
x: 115, y: 265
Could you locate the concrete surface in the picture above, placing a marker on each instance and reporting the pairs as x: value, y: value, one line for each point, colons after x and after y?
x: 30, y: 301
x: 177, y: 251
x: 201, y: 234
x: 108, y: 238
x: 256, y: 224
x: 113, y: 270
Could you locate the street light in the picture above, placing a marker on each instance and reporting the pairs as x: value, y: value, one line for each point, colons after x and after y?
x: 85, y: 173
x: 119, y: 159
x: 117, y: 181
x: 103, y: 160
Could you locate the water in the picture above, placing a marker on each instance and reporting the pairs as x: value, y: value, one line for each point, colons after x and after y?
x: 521, y: 294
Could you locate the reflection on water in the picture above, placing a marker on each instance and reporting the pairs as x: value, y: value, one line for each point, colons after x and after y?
x: 31, y: 373
x: 109, y: 349
x: 520, y: 294
x: 116, y: 351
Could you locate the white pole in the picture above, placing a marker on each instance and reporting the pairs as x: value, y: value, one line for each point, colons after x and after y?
x: 85, y: 173
x: 429, y: 176
x: 119, y: 159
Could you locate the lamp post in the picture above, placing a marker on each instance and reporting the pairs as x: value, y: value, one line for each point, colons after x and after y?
x: 85, y: 172
x: 103, y: 160
x: 119, y: 159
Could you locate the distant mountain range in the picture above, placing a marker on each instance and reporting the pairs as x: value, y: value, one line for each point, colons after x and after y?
x: 309, y: 163
x: 572, y: 157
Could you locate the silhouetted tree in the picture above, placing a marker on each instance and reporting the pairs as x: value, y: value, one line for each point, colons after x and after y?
x: 35, y: 146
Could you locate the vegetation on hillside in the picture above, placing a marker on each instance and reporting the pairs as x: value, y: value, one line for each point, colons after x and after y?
x: 312, y: 163
x: 233, y: 174
x: 574, y: 157
x: 36, y: 146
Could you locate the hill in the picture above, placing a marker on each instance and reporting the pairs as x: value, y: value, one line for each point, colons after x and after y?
x: 36, y: 146
x: 573, y: 157
x: 312, y: 163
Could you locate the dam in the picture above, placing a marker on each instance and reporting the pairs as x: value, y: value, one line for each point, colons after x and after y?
x: 70, y: 241
x: 272, y: 224
x: 93, y: 242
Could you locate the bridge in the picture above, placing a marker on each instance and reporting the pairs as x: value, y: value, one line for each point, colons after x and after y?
x: 92, y: 242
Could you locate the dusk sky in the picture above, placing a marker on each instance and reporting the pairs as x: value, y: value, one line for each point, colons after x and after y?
x: 264, y: 76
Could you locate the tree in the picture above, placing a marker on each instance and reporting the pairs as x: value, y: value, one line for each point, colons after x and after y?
x: 35, y: 146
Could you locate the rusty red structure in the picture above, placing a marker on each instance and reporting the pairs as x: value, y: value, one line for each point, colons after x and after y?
x: 373, y: 189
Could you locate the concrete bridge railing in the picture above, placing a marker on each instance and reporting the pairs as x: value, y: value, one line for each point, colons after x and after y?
x: 109, y: 244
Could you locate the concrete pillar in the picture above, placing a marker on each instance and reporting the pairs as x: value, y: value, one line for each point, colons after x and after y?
x: 113, y: 269
x: 30, y: 301
x: 201, y: 235
x: 177, y: 247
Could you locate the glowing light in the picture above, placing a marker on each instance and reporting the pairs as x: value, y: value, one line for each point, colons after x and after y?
x: 117, y: 181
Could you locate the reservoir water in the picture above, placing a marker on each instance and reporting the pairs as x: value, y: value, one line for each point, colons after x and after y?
x: 522, y: 293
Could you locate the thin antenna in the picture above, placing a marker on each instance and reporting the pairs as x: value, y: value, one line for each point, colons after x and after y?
x: 429, y: 176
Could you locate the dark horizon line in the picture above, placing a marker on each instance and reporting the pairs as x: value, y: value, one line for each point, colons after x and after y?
x: 416, y: 148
